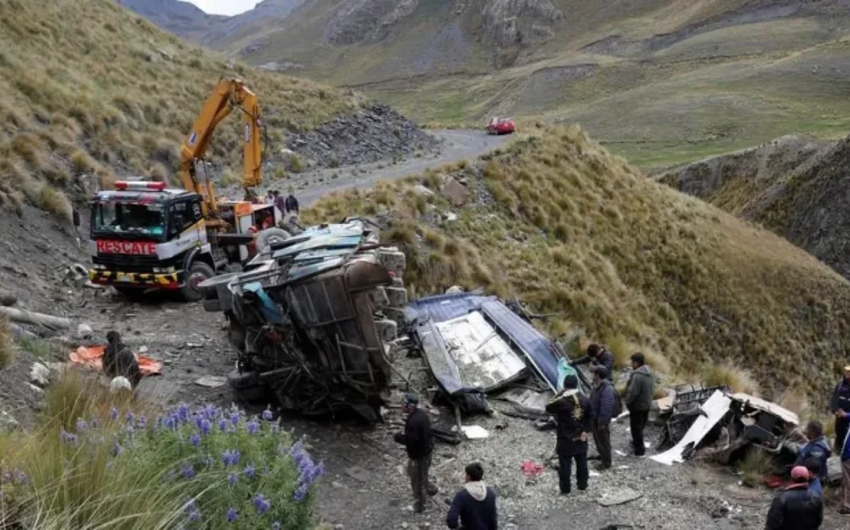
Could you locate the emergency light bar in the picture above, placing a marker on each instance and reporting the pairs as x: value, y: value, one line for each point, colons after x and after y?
x: 139, y: 186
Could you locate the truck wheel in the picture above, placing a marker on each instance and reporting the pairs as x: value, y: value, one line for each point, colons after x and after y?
x: 198, y: 273
x: 270, y: 236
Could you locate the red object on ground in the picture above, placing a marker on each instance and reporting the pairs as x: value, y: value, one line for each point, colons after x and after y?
x: 93, y: 358
x: 501, y: 126
x: 531, y: 469
x: 774, y: 482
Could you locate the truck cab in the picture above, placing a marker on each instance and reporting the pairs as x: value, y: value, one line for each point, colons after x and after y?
x: 145, y: 235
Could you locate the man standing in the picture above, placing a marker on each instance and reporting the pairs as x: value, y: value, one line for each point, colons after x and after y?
x: 279, y: 202
x: 816, y: 449
x: 639, y: 400
x: 796, y: 507
x: 598, y: 355
x: 270, y: 197
x: 418, y: 441
x: 474, y: 506
x: 840, y: 406
x: 603, y: 399
x: 845, y: 475
x: 574, y: 415
x: 291, y: 203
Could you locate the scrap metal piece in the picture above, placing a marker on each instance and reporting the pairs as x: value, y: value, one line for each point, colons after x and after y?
x: 714, y: 409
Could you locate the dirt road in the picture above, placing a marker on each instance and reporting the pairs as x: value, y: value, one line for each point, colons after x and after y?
x: 457, y: 145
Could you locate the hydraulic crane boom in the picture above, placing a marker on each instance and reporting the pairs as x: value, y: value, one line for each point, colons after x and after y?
x: 228, y: 93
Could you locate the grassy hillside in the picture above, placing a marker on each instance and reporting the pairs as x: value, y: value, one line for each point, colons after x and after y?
x: 688, y: 78
x: 558, y: 221
x: 87, y: 87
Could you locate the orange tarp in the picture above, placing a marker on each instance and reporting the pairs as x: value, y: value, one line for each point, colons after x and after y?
x: 93, y: 358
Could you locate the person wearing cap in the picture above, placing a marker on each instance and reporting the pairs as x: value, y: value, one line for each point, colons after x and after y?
x: 817, y: 449
x: 418, y: 442
x: 839, y: 405
x: 574, y: 415
x: 638, y: 400
x: 603, y: 399
x: 598, y: 355
x: 796, y: 508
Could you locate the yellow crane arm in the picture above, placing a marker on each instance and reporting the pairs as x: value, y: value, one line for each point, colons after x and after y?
x: 227, y: 94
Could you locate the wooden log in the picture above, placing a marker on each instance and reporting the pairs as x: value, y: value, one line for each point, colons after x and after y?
x: 36, y: 319
x: 8, y: 299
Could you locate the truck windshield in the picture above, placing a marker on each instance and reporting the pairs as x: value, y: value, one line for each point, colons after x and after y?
x: 128, y: 219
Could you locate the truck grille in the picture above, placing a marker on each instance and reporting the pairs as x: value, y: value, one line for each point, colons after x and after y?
x: 126, y: 263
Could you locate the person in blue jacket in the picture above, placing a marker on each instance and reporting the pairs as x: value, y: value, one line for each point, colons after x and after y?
x: 603, y: 399
x: 474, y: 507
x: 817, y: 448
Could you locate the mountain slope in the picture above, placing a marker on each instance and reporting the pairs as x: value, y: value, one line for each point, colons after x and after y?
x: 87, y: 87
x: 689, y: 78
x: 176, y: 16
x: 796, y: 187
x: 573, y: 230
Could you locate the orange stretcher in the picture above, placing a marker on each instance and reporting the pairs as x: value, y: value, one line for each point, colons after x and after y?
x: 92, y: 357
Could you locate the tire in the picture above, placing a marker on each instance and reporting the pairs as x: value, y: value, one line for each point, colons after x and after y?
x: 198, y: 272
x: 270, y: 236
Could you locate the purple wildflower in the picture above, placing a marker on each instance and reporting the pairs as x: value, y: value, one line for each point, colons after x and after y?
x: 195, y: 439
x: 194, y: 515
x: 232, y: 479
x: 7, y: 476
x: 276, y: 525
x: 183, y: 413
x: 301, y: 492
x: 249, y: 471
x: 231, y: 515
x: 142, y: 422
x: 20, y: 478
x: 113, y: 414
x: 267, y: 415
x: 188, y: 472
x: 261, y: 503
x: 67, y: 437
x: 82, y: 425
x: 318, y: 471
x: 234, y: 418
x: 130, y: 418
x: 222, y: 425
x: 253, y: 427
x: 171, y: 422
x: 116, y: 448
x: 205, y: 427
x: 231, y: 457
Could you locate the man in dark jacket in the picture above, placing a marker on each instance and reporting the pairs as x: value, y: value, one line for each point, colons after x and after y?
x: 840, y: 406
x: 796, y: 508
x: 291, y: 204
x: 603, y: 400
x: 817, y: 448
x: 598, y: 355
x: 119, y: 361
x: 474, y: 507
x: 418, y: 441
x: 574, y: 415
x: 639, y: 400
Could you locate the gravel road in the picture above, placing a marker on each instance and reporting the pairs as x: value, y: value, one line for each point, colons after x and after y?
x: 457, y: 145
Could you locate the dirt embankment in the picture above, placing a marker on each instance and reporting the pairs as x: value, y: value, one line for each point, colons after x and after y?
x: 794, y: 186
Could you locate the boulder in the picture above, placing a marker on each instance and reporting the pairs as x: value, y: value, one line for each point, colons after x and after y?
x: 40, y: 374
x: 454, y: 192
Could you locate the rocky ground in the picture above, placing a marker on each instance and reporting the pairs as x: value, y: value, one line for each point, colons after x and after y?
x: 366, y: 487
x: 370, y: 134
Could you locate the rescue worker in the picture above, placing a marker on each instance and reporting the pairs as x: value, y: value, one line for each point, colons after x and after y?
x: 291, y: 203
x: 574, y: 414
x: 474, y: 507
x: 817, y: 448
x: 418, y: 442
x: 840, y: 406
x: 639, y: 400
x: 598, y: 355
x: 603, y: 399
x: 845, y: 475
x: 796, y: 508
x: 119, y: 361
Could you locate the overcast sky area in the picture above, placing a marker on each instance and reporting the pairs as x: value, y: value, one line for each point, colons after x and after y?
x: 225, y: 7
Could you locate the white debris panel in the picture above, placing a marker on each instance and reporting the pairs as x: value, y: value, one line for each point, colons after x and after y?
x: 715, y: 408
x: 483, y: 358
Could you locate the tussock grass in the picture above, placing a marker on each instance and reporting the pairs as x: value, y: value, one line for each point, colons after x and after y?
x: 569, y: 228
x: 755, y: 467
x: 737, y: 379
x: 88, y: 87
x: 54, y: 201
x: 7, y: 354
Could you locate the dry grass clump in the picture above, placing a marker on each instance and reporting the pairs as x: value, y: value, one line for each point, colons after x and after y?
x: 737, y: 379
x: 88, y: 87
x: 755, y: 467
x: 54, y: 201
x: 571, y: 229
x: 7, y: 354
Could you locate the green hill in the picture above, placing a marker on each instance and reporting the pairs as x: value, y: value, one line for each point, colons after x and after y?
x: 88, y: 88
x: 558, y: 221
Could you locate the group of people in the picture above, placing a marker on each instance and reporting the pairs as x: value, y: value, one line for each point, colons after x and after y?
x: 578, y: 418
x: 288, y: 205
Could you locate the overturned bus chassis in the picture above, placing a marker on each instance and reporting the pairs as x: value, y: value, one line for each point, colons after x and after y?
x: 304, y: 319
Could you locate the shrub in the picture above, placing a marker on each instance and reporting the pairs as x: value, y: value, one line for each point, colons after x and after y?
x: 82, y: 162
x: 755, y: 467
x: 158, y: 173
x: 735, y: 378
x: 295, y: 164
x: 54, y: 201
x: 6, y: 353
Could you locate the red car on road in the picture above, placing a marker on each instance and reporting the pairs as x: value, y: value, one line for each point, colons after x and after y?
x: 501, y: 126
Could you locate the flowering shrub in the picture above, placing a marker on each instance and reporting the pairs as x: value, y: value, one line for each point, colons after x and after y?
x: 203, y: 468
